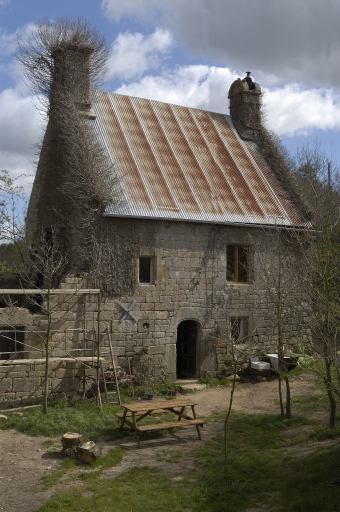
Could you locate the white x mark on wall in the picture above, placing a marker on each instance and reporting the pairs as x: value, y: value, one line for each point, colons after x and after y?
x: 128, y: 311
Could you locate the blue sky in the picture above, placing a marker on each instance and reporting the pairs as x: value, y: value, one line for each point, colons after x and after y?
x: 189, y: 53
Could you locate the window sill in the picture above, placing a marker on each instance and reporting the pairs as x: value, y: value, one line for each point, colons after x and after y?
x: 232, y: 283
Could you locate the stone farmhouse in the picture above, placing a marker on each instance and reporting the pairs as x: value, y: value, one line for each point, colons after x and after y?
x: 196, y: 193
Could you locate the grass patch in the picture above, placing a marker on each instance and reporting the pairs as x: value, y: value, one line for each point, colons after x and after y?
x: 312, y: 484
x: 140, y: 391
x: 262, y: 473
x: 260, y: 470
x: 311, y: 402
x: 212, y: 382
x: 172, y: 456
x: 49, y: 443
x: 322, y: 433
x: 53, y: 477
x: 138, y: 490
x: 88, y: 473
x: 297, y: 371
x: 110, y: 460
x: 84, y: 418
x: 257, y: 459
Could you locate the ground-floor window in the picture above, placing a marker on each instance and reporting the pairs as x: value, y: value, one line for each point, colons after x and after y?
x: 239, y: 329
x: 11, y: 341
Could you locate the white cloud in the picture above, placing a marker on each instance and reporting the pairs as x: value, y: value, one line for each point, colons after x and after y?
x: 117, y: 9
x: 294, y: 110
x: 20, y: 128
x: 291, y: 109
x: 133, y: 54
x: 19, y: 169
x: 20, y: 123
x: 8, y: 40
x: 194, y: 86
x: 297, y: 40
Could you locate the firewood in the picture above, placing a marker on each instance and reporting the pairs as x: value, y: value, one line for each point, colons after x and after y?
x: 70, y: 442
x: 88, y: 452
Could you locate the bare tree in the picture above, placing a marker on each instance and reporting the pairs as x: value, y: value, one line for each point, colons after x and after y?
x: 48, y: 265
x: 13, y: 206
x: 239, y: 348
x: 279, y: 261
x: 48, y: 63
x: 321, y: 268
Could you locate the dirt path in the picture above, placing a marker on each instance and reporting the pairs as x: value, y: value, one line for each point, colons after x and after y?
x: 23, y: 459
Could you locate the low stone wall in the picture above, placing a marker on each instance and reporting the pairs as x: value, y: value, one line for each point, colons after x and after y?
x: 22, y: 381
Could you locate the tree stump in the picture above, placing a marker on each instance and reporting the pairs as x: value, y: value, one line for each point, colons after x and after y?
x: 71, y: 442
x: 88, y: 452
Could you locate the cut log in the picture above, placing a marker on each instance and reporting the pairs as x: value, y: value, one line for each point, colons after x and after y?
x: 70, y: 442
x: 88, y: 452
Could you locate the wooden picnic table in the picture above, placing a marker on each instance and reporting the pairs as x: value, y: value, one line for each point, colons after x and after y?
x: 135, y: 412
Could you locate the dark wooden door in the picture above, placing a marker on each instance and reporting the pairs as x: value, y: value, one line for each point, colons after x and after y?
x: 186, y: 348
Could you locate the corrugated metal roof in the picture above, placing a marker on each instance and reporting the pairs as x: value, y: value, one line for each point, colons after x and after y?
x: 182, y: 163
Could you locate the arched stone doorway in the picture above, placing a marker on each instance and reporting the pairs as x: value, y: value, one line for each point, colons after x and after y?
x: 186, y: 349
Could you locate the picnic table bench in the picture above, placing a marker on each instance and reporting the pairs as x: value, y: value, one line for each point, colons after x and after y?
x: 135, y: 412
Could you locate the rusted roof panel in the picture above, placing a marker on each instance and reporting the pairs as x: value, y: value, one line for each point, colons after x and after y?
x: 187, y: 164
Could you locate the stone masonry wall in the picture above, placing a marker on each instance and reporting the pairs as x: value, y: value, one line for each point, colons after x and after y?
x: 189, y: 283
x: 189, y: 262
x: 22, y: 381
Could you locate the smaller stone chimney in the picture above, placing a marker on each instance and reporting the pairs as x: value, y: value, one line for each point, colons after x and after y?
x: 245, y: 106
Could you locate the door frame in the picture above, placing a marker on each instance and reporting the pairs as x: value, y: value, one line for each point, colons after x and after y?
x: 180, y: 373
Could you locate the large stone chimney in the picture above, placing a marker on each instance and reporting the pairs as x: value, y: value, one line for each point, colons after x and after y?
x: 245, y: 106
x: 49, y: 207
x: 71, y: 74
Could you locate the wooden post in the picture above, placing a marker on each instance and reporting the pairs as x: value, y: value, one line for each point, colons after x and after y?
x: 114, y: 367
x: 104, y: 382
x: 131, y: 380
x: 98, y: 399
x: 84, y: 343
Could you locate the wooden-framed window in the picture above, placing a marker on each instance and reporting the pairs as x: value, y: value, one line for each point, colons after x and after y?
x: 145, y: 270
x: 239, y: 329
x: 11, y: 341
x: 238, y: 263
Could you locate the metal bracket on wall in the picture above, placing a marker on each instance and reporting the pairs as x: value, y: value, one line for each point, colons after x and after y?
x: 128, y: 311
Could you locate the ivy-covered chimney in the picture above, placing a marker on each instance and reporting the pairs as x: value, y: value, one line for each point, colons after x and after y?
x: 245, y: 106
x: 71, y: 74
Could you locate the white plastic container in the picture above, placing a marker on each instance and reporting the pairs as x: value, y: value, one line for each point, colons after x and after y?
x: 274, y: 361
x: 260, y: 365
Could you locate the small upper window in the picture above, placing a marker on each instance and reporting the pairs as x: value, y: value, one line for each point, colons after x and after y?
x: 238, y: 263
x: 145, y: 270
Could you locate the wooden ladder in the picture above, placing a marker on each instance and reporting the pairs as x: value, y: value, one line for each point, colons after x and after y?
x: 113, y: 365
